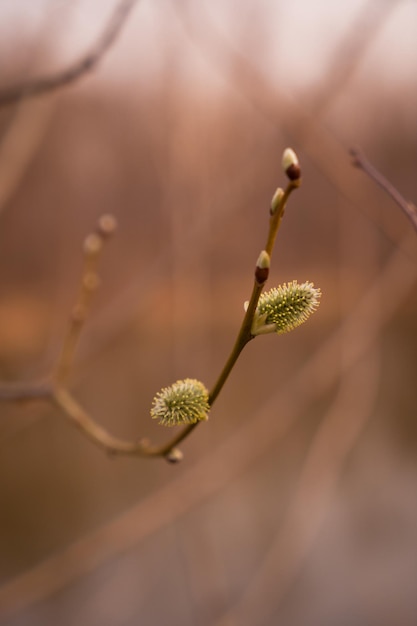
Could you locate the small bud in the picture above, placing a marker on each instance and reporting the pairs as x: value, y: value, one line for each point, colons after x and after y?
x: 184, y: 402
x: 276, y: 200
x: 262, y: 267
x: 174, y: 456
x: 290, y: 164
x: 107, y: 224
x: 93, y: 244
x: 285, y: 307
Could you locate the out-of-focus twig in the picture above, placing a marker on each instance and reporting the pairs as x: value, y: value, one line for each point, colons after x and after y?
x: 56, y: 390
x: 24, y: 393
x: 87, y: 63
x: 360, y: 161
x: 93, y: 246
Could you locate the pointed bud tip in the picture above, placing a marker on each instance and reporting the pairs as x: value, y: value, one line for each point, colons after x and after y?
x: 290, y: 164
x: 264, y: 260
x: 276, y: 200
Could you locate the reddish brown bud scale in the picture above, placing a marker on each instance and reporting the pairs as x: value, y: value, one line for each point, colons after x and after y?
x: 293, y: 171
x: 262, y: 267
x: 261, y: 275
x: 290, y: 164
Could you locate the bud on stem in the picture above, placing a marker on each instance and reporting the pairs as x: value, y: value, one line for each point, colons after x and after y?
x: 276, y: 200
x: 174, y: 456
x: 290, y: 164
x: 262, y: 268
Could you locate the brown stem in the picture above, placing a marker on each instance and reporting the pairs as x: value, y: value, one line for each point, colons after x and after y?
x: 25, y: 393
x: 359, y: 160
x: 98, y: 435
x: 38, y: 86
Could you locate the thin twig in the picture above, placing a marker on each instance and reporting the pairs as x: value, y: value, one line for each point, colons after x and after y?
x: 93, y: 247
x: 76, y: 414
x: 87, y: 63
x: 360, y: 161
x: 245, y: 335
x: 98, y: 435
x: 24, y: 393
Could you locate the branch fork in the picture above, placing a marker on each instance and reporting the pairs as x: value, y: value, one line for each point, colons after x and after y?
x: 186, y: 403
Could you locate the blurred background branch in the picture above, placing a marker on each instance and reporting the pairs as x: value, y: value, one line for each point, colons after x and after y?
x: 87, y: 63
x: 360, y: 161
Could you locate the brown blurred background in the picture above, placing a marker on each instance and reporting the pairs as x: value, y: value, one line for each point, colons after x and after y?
x: 296, y: 504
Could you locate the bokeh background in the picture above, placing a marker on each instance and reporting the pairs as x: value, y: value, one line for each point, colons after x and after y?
x: 296, y: 504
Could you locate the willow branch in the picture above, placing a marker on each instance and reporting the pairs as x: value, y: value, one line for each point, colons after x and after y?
x: 87, y: 63
x: 245, y: 335
x: 360, y: 161
x: 57, y: 392
x: 75, y: 413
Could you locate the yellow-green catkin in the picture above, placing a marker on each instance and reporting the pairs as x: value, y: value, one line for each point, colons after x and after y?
x: 184, y: 402
x: 283, y: 308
